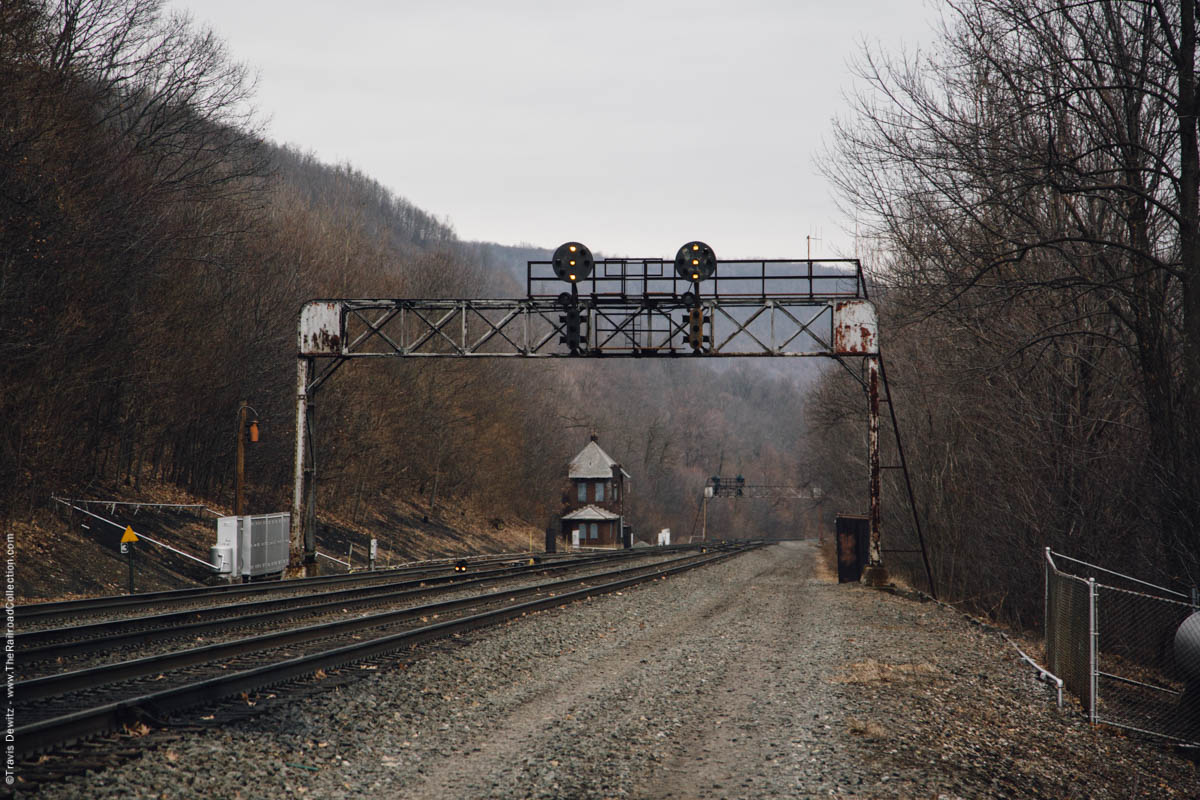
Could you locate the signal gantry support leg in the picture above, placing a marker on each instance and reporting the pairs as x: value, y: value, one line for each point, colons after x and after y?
x: 875, y: 574
x: 296, y: 545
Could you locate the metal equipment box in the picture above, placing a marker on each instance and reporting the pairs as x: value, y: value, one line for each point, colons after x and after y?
x: 853, y: 540
x: 252, y: 545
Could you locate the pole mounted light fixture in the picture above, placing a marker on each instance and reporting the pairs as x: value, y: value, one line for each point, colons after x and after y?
x: 239, y: 496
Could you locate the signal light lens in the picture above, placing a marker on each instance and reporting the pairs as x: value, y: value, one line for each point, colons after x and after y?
x: 572, y: 262
x: 695, y: 261
x: 695, y: 334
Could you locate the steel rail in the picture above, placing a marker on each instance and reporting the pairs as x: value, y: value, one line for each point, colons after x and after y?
x: 39, y: 611
x: 65, y: 728
x: 33, y: 612
x: 111, y: 634
x: 90, y: 677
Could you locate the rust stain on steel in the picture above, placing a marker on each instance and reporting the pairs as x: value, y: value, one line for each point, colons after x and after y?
x: 321, y: 329
x: 855, y: 329
x: 874, y: 551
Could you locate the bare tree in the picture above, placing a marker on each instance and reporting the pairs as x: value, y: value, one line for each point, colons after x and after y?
x: 1035, y: 179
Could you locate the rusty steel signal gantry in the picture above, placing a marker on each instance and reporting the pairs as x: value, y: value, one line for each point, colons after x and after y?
x: 631, y: 308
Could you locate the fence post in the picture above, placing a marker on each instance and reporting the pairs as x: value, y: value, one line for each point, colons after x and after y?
x: 128, y: 548
x: 1093, y: 651
x: 1046, y: 594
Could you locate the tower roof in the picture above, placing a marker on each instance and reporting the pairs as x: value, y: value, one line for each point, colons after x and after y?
x: 592, y: 462
x: 589, y: 513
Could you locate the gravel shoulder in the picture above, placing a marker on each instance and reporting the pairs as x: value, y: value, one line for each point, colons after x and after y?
x: 756, y: 677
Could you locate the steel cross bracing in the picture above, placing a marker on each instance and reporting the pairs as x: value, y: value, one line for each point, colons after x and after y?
x: 626, y: 308
x: 347, y: 329
x: 760, y: 491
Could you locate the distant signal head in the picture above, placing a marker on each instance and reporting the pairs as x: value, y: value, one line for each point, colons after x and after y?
x: 695, y: 262
x: 573, y: 262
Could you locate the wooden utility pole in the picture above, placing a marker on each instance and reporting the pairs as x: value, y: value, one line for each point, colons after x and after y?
x: 239, y: 494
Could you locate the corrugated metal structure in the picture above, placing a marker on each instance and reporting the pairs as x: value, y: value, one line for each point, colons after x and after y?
x: 251, y: 546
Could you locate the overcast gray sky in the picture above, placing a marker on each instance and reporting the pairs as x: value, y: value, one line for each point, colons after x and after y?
x: 630, y: 126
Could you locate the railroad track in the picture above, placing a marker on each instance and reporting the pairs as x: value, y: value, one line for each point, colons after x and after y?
x: 39, y: 614
x: 48, y: 648
x: 58, y: 709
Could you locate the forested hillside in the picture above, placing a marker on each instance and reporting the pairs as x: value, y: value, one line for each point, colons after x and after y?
x: 1032, y: 184
x: 155, y: 251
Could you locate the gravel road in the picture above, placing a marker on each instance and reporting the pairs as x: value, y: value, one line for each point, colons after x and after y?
x: 757, y: 677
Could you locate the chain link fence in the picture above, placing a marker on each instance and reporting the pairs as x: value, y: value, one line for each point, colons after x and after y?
x: 1070, y: 644
x: 1112, y: 639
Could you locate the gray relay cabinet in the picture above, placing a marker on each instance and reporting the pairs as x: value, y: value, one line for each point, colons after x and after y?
x: 250, y: 546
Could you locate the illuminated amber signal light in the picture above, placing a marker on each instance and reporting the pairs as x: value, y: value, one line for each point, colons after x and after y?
x: 572, y: 262
x: 695, y: 261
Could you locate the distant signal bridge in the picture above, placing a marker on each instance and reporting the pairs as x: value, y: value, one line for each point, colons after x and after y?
x: 737, y: 488
x: 763, y: 491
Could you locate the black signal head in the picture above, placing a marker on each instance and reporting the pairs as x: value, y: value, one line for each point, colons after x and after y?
x: 572, y: 262
x: 695, y: 262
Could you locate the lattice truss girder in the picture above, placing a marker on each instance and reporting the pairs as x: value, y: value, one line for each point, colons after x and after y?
x: 768, y: 492
x: 535, y: 328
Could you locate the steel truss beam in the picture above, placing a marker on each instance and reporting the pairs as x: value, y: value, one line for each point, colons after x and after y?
x: 533, y: 328
x: 767, y: 492
x: 635, y: 317
x: 333, y: 332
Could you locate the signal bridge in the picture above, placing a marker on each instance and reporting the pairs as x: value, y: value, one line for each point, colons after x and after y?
x: 617, y: 307
x: 765, y: 491
x: 577, y: 306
